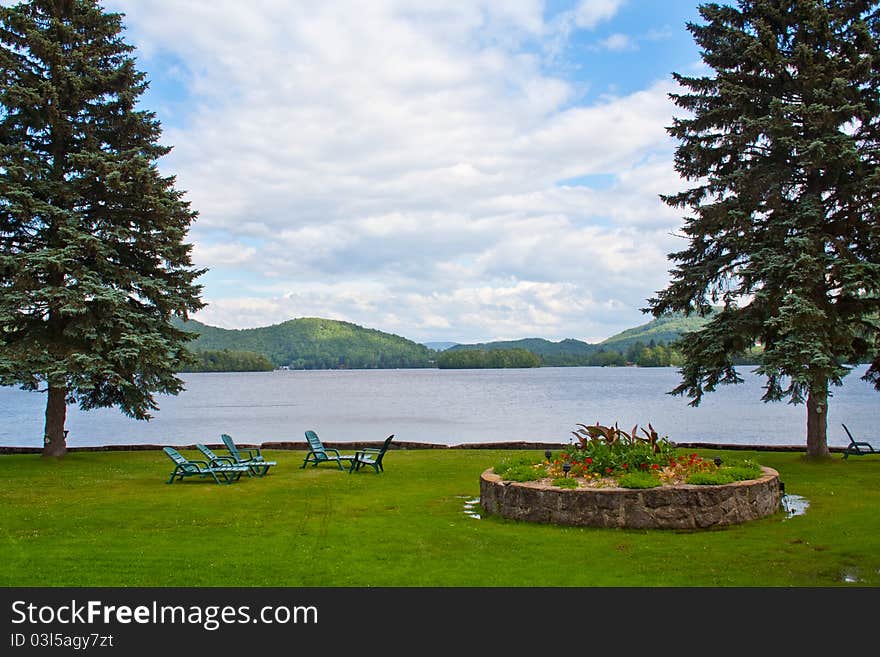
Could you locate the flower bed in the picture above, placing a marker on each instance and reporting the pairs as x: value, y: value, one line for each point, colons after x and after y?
x: 611, y: 478
x: 674, y: 506
x: 610, y: 457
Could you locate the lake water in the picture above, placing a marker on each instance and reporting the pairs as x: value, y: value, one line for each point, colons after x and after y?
x: 447, y: 407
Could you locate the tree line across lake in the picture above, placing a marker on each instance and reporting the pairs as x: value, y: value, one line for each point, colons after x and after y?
x: 321, y: 344
x: 639, y: 354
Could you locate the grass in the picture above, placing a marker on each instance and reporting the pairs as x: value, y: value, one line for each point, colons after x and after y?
x: 109, y: 519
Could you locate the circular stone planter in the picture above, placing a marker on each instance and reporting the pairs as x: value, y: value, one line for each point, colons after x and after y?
x: 683, y: 506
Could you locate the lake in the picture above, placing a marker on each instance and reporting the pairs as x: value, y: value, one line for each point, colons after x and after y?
x: 447, y: 407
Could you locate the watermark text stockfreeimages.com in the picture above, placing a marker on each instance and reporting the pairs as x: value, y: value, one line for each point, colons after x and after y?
x: 210, y: 617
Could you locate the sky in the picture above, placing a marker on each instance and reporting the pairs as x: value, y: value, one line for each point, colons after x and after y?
x: 443, y: 170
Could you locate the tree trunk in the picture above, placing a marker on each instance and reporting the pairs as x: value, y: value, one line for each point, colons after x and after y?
x: 54, y: 442
x: 817, y: 421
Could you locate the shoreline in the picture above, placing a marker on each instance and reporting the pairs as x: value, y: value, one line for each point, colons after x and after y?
x: 303, y: 446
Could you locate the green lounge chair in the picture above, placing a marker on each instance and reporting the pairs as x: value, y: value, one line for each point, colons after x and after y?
x: 214, y: 459
x: 252, y: 458
x: 858, y: 448
x: 371, y: 456
x: 183, y: 467
x: 319, y: 454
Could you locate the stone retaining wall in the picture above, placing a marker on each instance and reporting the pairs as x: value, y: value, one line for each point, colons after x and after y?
x: 302, y: 445
x: 667, y: 507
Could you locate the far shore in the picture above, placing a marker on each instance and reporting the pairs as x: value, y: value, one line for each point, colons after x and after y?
x: 301, y: 446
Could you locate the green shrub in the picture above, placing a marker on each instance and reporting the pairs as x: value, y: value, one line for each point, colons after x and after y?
x: 523, y: 473
x: 565, y: 482
x: 742, y: 470
x: 710, y: 478
x: 519, y: 468
x: 513, y: 461
x: 639, y: 480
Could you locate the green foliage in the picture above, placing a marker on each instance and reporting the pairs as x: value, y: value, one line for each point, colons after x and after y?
x: 781, y: 144
x: 650, y: 345
x: 742, y: 470
x: 639, y: 480
x: 228, y: 361
x: 519, y: 468
x: 538, y: 346
x: 615, y: 351
x: 565, y: 482
x: 662, y: 330
x: 521, y: 473
x: 728, y: 472
x: 496, y: 358
x: 312, y: 343
x: 710, y: 478
x: 610, y: 451
x: 93, y: 262
x: 653, y: 355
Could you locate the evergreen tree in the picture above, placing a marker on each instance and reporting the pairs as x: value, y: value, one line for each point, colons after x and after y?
x: 783, y: 140
x: 93, y: 263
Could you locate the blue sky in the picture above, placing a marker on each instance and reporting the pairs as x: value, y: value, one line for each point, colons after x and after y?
x: 461, y: 171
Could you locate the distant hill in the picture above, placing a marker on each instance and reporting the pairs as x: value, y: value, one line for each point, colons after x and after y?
x: 665, y: 329
x: 313, y: 343
x: 439, y: 346
x: 538, y: 346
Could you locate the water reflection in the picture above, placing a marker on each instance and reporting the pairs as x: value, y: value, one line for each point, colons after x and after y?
x: 470, y: 505
x: 794, y: 505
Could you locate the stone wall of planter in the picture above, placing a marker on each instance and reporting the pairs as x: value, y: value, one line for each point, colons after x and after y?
x: 667, y: 507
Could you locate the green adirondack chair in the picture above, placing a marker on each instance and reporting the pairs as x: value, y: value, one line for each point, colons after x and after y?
x: 184, y: 467
x: 319, y: 454
x: 252, y: 458
x: 858, y: 447
x: 371, y: 456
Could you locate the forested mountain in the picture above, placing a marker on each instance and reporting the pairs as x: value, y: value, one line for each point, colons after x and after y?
x: 647, y: 345
x: 439, y: 346
x: 538, y: 346
x: 482, y: 359
x: 214, y: 360
x: 665, y: 329
x: 313, y: 343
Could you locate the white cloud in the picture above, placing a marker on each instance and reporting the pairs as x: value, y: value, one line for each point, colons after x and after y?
x: 590, y: 13
x: 230, y: 254
x: 398, y: 164
x: 514, y: 309
x: 618, y: 42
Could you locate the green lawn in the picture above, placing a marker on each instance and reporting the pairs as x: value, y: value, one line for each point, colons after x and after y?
x: 109, y: 519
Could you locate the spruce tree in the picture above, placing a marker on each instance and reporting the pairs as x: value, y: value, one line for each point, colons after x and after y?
x: 782, y: 140
x: 93, y: 258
